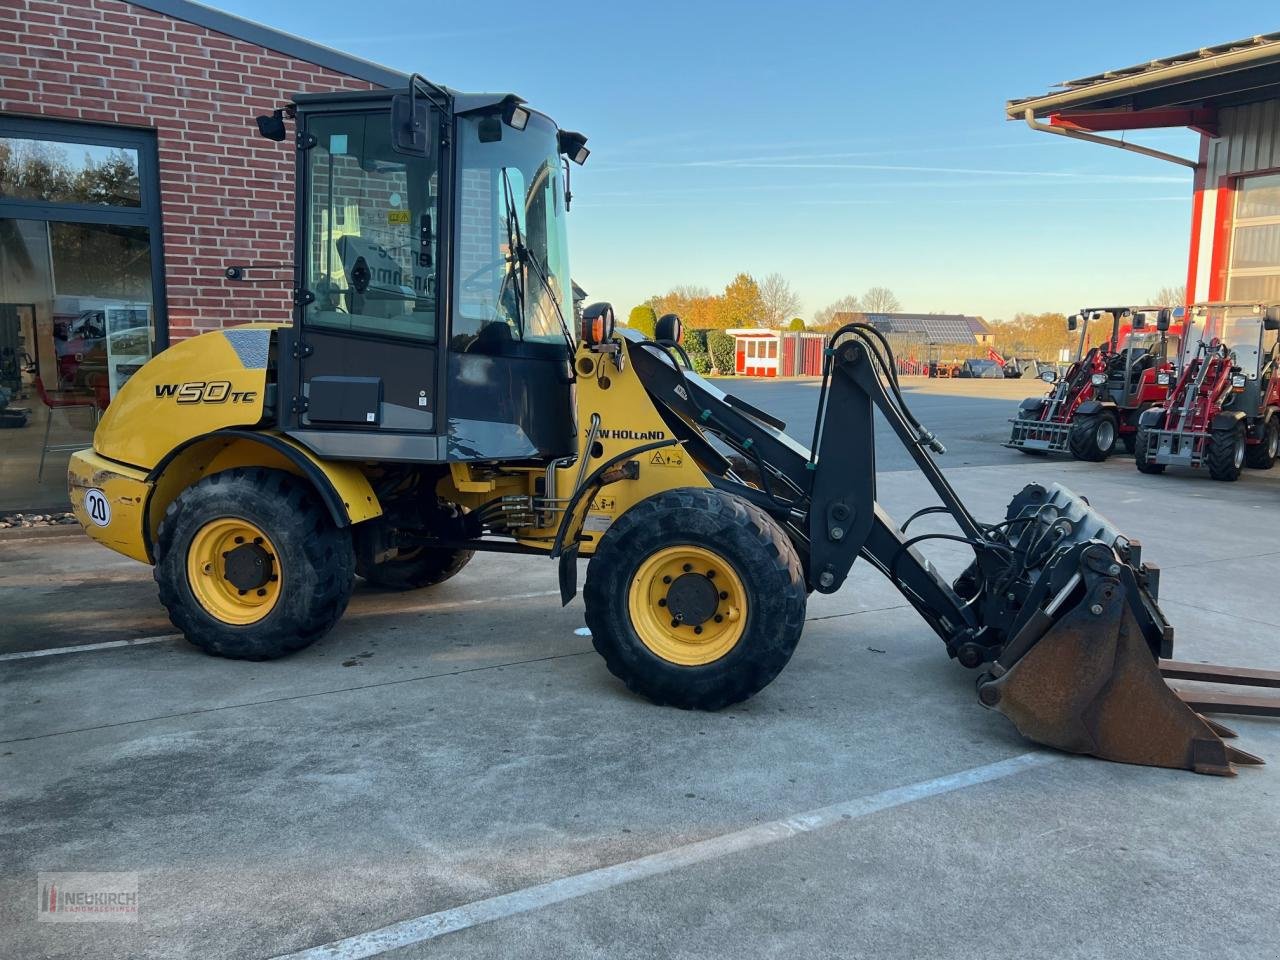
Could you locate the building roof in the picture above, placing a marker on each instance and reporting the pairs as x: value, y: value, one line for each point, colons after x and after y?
x: 1243, y: 71
x: 934, y: 327
x: 277, y: 40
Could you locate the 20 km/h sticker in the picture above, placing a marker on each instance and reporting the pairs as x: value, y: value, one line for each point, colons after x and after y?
x: 97, y: 507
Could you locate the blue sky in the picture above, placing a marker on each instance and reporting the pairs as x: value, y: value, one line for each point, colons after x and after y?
x: 844, y: 145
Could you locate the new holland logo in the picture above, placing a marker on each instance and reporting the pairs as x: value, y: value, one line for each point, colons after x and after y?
x: 632, y: 435
x: 204, y: 391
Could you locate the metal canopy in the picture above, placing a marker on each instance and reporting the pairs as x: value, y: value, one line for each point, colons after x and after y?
x: 1182, y: 90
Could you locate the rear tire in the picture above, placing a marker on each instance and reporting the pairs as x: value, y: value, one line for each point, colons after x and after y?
x: 1093, y: 437
x: 251, y: 566
x: 1141, y: 451
x: 1225, y: 455
x: 693, y: 556
x: 1262, y: 455
x: 414, y: 569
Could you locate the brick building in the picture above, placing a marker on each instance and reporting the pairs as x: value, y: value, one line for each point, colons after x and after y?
x: 131, y: 175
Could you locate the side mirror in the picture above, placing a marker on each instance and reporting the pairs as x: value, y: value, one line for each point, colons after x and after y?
x: 1073, y: 322
x: 1139, y: 321
x: 1163, y: 319
x: 409, y: 115
x: 668, y: 329
x: 1271, y: 319
x: 1049, y: 376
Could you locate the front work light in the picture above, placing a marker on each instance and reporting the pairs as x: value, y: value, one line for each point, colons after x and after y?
x: 1098, y: 379
x: 598, y: 323
x: 514, y: 115
x: 573, y: 145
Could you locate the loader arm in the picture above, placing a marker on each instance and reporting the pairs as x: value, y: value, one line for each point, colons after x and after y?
x: 1057, y: 604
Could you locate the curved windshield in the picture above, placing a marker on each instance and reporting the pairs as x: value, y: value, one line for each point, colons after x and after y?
x: 511, y: 273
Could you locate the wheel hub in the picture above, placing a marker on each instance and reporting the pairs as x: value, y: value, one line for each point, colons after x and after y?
x: 693, y: 598
x: 248, y: 566
x: 234, y: 571
x: 687, y: 605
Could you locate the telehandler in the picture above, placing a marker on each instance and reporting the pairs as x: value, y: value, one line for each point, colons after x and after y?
x: 1098, y: 400
x: 430, y: 399
x: 1223, y: 411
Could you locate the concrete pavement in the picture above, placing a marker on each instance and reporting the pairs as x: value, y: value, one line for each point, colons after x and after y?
x: 445, y: 748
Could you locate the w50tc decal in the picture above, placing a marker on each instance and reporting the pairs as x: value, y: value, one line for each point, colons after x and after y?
x: 201, y: 391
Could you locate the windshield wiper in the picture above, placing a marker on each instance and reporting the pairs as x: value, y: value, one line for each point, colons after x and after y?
x: 521, y: 255
x: 516, y: 255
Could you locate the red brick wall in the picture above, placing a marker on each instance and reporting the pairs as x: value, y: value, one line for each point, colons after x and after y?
x: 226, y: 193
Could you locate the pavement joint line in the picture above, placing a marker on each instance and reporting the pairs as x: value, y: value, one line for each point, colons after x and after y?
x: 87, y: 647
x: 431, y: 926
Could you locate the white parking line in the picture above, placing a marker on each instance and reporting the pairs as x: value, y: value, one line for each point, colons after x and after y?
x: 352, y: 614
x: 84, y: 647
x: 433, y: 925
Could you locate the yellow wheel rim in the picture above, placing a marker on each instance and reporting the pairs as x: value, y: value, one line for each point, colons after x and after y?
x: 234, y: 570
x: 688, y: 605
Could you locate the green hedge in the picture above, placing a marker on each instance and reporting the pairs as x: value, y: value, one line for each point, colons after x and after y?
x: 720, y: 347
x: 643, y: 318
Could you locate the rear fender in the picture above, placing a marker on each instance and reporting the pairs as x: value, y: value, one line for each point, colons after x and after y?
x: 342, y: 486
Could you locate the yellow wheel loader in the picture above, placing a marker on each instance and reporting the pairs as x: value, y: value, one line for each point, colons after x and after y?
x: 433, y: 397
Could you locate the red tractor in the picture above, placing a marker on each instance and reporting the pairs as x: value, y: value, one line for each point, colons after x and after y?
x: 1224, y: 409
x: 1099, y: 399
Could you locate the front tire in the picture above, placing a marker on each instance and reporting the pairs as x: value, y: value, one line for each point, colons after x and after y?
x: 1093, y: 437
x: 1142, y: 451
x: 251, y: 566
x: 695, y: 598
x: 1262, y: 455
x: 1225, y: 455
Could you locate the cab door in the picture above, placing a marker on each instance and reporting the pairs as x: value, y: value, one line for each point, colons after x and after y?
x: 366, y: 337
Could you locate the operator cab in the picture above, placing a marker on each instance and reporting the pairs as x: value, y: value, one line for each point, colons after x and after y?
x: 433, y: 302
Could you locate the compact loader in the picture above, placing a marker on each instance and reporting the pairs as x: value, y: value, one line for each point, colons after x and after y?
x: 1098, y: 400
x: 1223, y: 410
x: 431, y: 399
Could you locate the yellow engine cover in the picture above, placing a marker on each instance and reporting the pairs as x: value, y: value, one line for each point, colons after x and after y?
x: 207, y: 383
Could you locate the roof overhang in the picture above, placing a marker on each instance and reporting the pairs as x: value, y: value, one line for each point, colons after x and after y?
x: 1180, y: 91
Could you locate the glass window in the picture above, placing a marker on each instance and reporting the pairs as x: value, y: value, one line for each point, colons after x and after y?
x: 1259, y: 197
x: 57, y: 172
x: 76, y: 322
x: 513, y: 255
x: 1254, y: 272
x: 373, y: 222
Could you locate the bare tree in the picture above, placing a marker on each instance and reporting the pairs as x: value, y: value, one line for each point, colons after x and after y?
x: 780, y: 301
x: 881, y: 300
x: 847, y: 304
x: 1170, y: 296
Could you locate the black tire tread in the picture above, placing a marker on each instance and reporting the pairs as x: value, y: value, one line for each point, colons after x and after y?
x: 1256, y: 456
x: 783, y: 601
x: 1221, y: 452
x: 1142, y: 443
x: 326, y: 547
x: 431, y: 567
x: 1082, y: 439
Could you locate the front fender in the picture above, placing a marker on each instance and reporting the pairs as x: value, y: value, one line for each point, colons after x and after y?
x: 1226, y: 419
x: 1090, y: 407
